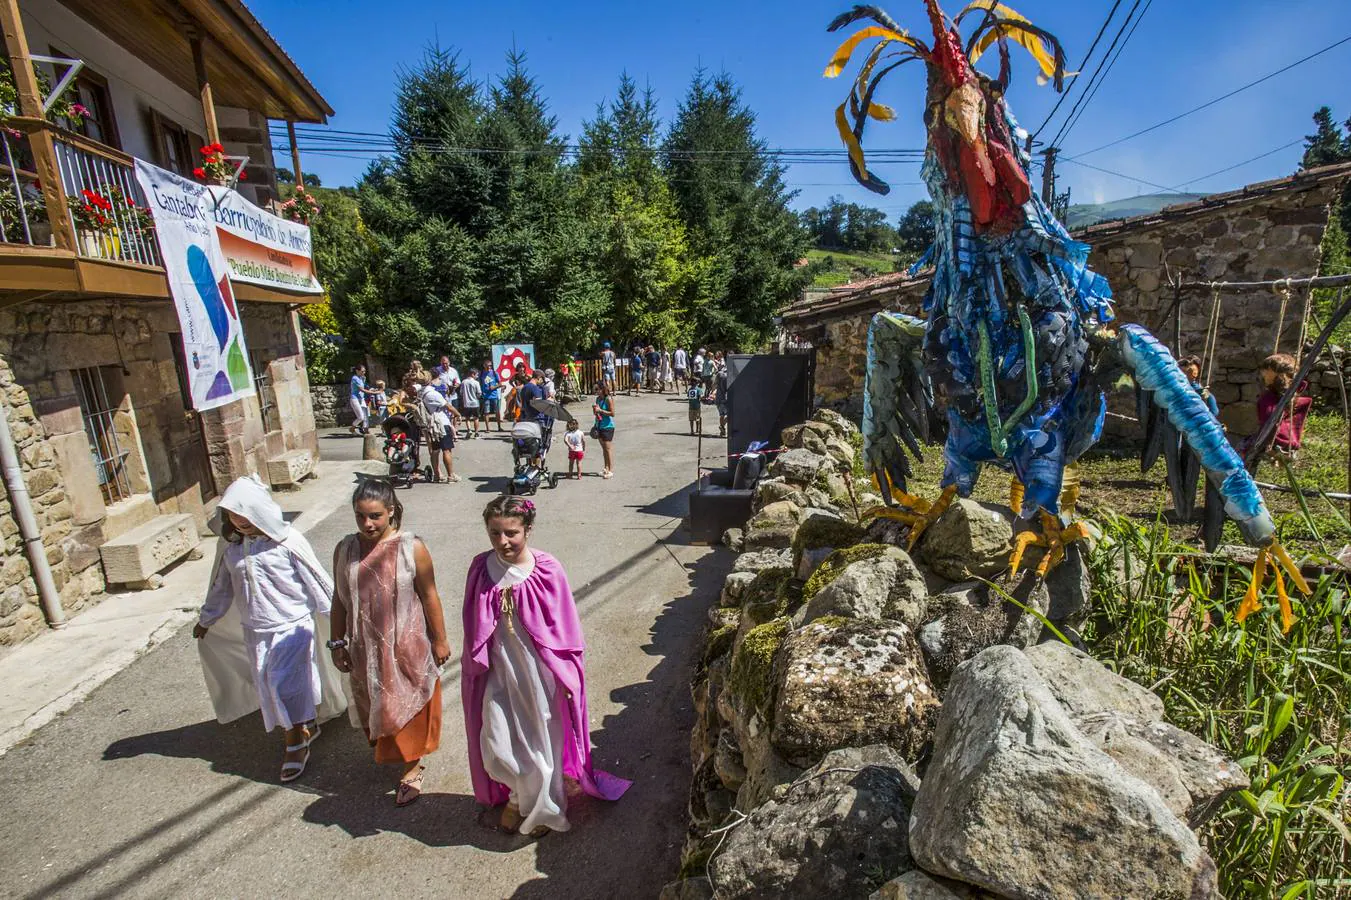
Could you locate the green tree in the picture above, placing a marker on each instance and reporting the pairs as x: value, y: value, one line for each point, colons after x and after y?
x: 1327, y: 145
x: 915, y: 231
x: 745, y: 242
x: 642, y: 253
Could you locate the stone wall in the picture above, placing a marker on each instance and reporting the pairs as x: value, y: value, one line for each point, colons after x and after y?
x: 330, y: 406
x: 175, y: 461
x: 872, y: 721
x: 1245, y: 238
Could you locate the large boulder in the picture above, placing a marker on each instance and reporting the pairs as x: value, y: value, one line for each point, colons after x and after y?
x: 968, y: 618
x: 744, y: 705
x: 841, y: 683
x: 699, y: 888
x: 969, y: 540
x: 834, y: 832
x: 733, y: 586
x: 842, y: 426
x: 817, y: 537
x: 916, y: 885
x: 1017, y: 800
x: 885, y: 586
x: 1085, y: 686
x: 756, y: 561
x: 799, y: 466
x: 841, y: 451
x: 772, y: 490
x: 1069, y: 585
x: 1124, y: 720
x: 773, y: 526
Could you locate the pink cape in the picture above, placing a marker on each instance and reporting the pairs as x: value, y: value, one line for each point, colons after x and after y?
x: 546, y: 610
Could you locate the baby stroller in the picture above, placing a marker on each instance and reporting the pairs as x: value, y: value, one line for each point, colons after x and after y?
x: 529, y: 457
x: 401, y: 447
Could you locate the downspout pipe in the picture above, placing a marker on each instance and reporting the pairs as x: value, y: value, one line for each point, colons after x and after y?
x: 22, y: 504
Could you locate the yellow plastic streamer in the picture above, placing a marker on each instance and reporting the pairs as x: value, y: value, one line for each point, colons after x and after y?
x: 846, y: 50
x: 1287, y: 614
x: 850, y: 142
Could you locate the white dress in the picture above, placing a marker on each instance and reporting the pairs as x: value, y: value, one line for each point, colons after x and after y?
x: 522, y: 737
x: 272, y: 595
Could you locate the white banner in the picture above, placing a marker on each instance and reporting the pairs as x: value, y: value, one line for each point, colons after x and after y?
x: 199, y: 281
x: 261, y: 248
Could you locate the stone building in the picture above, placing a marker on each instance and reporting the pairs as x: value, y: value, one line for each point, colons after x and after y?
x: 92, y: 374
x: 1264, y: 231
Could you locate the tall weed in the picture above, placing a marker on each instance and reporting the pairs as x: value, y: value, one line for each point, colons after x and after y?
x: 1277, y: 703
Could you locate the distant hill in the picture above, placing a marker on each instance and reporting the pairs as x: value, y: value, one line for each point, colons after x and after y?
x: 1082, y: 214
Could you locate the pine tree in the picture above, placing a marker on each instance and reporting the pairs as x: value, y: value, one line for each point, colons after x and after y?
x: 734, y: 205
x: 1326, y: 146
x: 642, y: 252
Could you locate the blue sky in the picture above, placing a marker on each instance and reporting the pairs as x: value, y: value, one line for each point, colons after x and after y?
x: 1184, y: 53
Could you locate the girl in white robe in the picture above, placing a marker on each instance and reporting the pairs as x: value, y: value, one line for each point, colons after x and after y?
x: 265, y: 611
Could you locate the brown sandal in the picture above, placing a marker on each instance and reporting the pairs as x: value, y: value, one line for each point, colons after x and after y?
x: 410, y: 788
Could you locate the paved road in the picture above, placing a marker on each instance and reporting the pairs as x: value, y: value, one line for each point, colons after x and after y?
x: 138, y: 792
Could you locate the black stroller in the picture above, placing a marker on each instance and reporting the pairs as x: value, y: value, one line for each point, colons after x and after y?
x: 530, y: 458
x: 401, y: 448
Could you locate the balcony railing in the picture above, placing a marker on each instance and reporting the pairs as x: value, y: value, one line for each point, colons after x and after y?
x: 23, y: 211
x: 87, y: 165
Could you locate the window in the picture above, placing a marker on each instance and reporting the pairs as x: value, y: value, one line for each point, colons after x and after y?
x: 174, y: 146
x: 110, y: 460
x: 91, y: 91
x: 262, y: 386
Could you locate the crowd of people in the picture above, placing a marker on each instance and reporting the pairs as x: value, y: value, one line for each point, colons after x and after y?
x: 523, y: 681
x: 449, y: 407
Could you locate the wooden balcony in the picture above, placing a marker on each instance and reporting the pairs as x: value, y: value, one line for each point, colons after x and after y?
x: 42, y: 258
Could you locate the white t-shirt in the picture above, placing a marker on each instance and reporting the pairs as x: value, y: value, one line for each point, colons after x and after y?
x: 575, y: 440
x: 436, y: 405
x: 680, y: 358
x: 698, y: 365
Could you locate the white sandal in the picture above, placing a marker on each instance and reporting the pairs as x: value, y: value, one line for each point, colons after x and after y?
x: 290, y: 771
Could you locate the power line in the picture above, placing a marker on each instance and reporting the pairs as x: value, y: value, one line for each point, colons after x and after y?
x: 1178, y: 187
x: 1210, y: 103
x: 1083, y: 63
x: 1108, y: 71
x: 1100, y: 73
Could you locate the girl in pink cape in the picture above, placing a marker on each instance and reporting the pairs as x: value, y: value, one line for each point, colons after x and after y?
x: 523, y: 683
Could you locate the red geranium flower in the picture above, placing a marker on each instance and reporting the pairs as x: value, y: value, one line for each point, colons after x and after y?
x: 243, y: 176
x: 199, y: 172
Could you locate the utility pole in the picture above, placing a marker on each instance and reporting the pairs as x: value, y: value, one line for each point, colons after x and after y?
x: 1048, y: 176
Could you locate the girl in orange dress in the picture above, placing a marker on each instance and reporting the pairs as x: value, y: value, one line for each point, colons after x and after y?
x: 389, y: 635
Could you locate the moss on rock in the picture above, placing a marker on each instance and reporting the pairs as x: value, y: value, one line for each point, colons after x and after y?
x: 824, y: 531
x: 751, y: 675
x: 835, y: 564
x: 719, y: 642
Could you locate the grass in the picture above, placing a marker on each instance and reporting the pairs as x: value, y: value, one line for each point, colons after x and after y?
x: 838, y: 267
x: 1275, y: 702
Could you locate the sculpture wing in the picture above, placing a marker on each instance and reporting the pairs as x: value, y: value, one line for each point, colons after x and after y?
x: 1182, y: 428
x: 897, y: 400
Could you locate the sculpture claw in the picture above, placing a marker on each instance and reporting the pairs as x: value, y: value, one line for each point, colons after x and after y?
x: 1054, y: 536
x: 933, y: 514
x: 1276, y: 556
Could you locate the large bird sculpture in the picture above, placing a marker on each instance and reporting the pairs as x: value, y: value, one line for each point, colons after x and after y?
x: 1018, y: 343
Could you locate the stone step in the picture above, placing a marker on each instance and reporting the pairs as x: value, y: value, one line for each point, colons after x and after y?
x: 132, y: 558
x: 288, y: 469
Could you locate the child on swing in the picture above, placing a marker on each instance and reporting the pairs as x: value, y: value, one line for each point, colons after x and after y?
x: 523, y: 680
x: 1277, y: 372
x: 264, y: 613
x: 389, y: 635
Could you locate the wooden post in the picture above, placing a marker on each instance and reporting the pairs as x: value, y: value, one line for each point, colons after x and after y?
x: 204, y: 86
x: 295, y: 153
x: 1048, y: 176
x: 40, y: 139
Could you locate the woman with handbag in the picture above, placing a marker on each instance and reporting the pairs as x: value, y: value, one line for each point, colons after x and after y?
x: 604, y: 429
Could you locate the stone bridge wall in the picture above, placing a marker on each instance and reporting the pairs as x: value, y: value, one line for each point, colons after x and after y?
x: 1268, y: 235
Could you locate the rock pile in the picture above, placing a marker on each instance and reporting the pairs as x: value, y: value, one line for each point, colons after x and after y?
x: 872, y: 723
